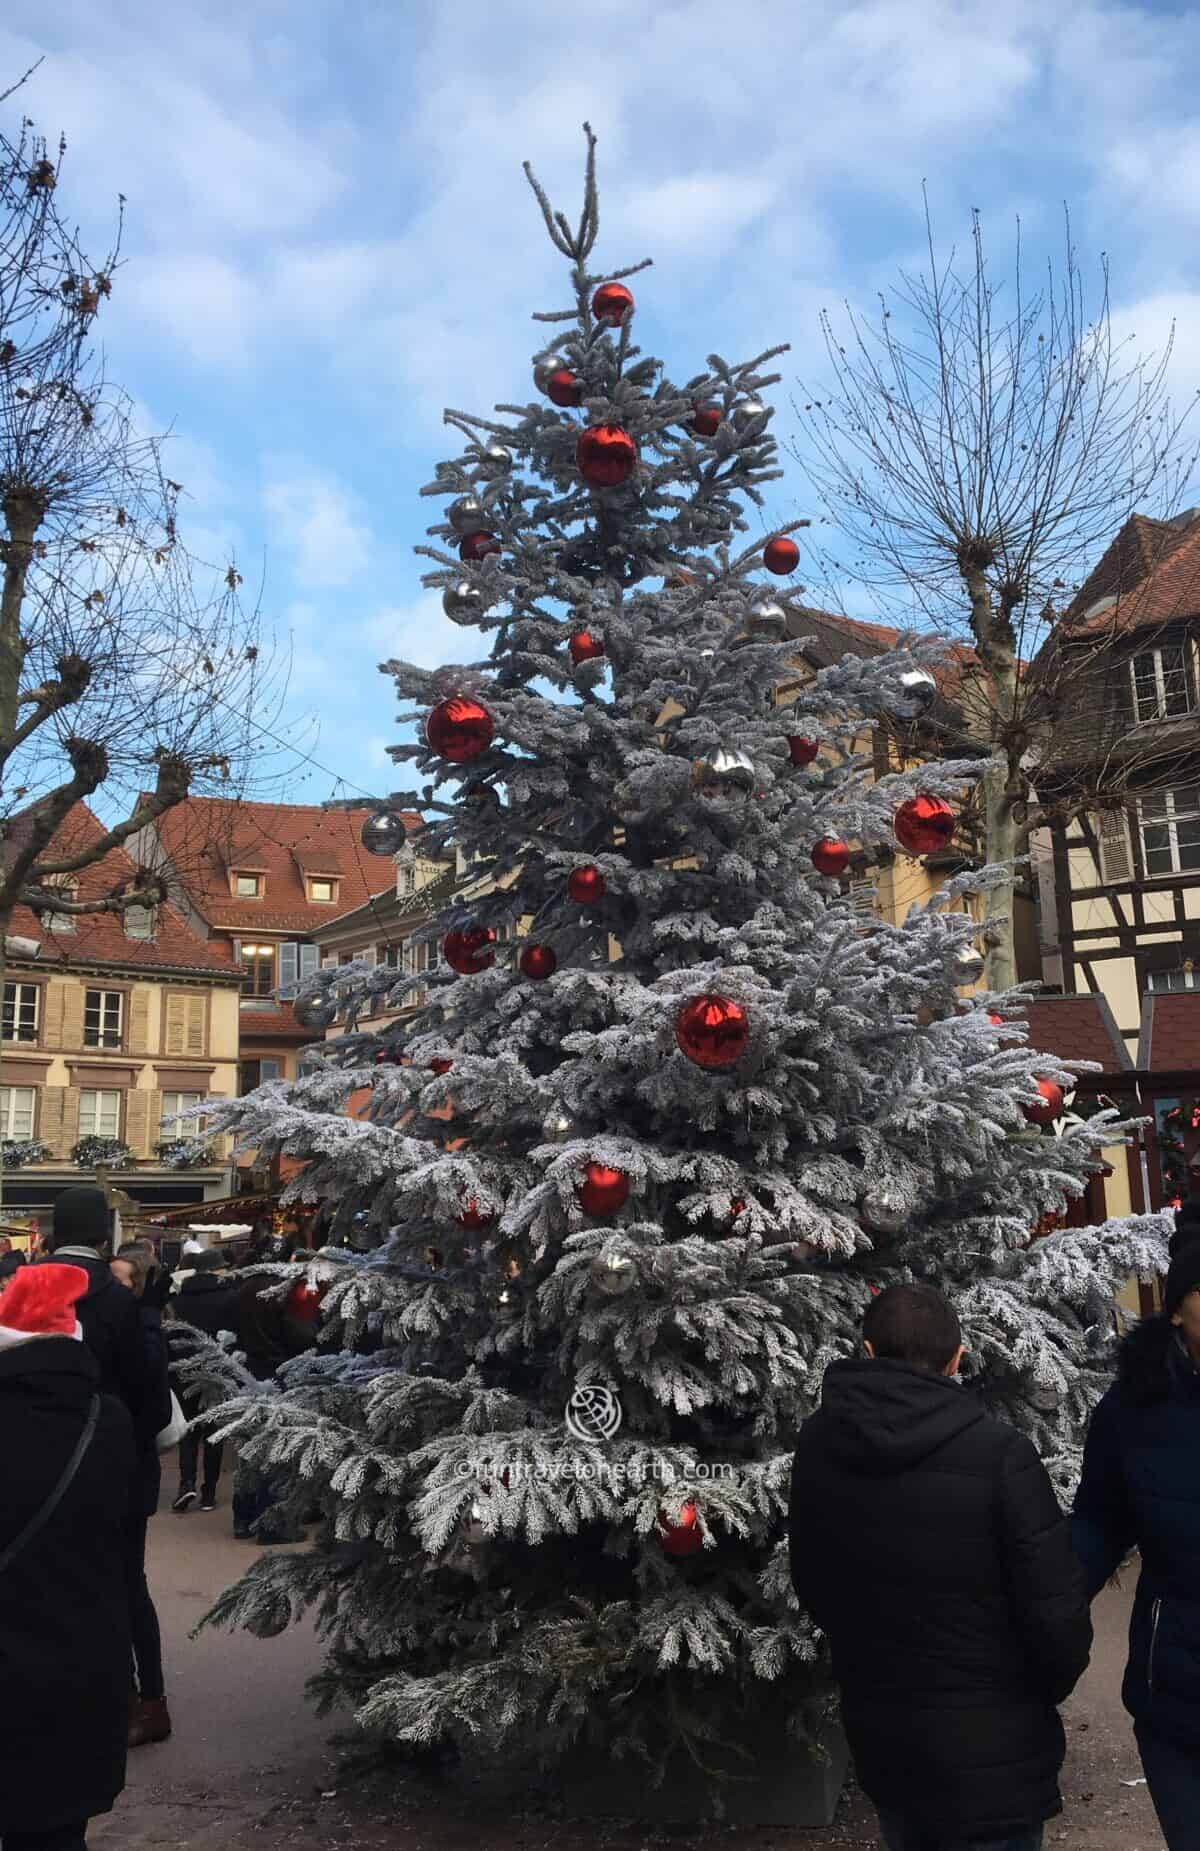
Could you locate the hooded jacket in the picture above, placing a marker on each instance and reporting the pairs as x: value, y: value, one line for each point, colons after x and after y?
x: 929, y: 1547
x: 112, y: 1330
x: 1141, y: 1487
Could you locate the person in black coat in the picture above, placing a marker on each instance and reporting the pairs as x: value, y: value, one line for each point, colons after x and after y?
x: 112, y: 1328
x: 64, y: 1638
x: 1141, y: 1488
x: 209, y: 1300
x: 929, y: 1547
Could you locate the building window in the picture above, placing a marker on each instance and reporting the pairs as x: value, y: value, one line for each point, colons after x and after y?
x: 254, y: 1073
x: 388, y: 956
x: 420, y: 956
x: 59, y: 922
x: 1185, y: 978
x: 247, y: 886
x: 296, y: 962
x: 1161, y: 689
x: 321, y: 892
x: 1169, y: 824
x: 406, y: 881
x: 258, y: 962
x: 102, y: 1019
x: 17, y: 1105
x: 139, y: 922
x: 175, y: 1126
x: 99, y: 1114
x: 20, y: 1011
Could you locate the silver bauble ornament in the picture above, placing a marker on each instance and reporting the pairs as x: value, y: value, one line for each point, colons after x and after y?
x: 746, y: 411
x: 613, y: 1273
x: 883, y: 1212
x: 558, y: 1126
x: 915, y: 692
x: 467, y: 514
x: 496, y: 461
x: 463, y: 602
x: 314, y: 1011
x: 766, y: 621
x: 545, y: 369
x: 383, y: 833
x: 967, y: 966
x: 722, y: 773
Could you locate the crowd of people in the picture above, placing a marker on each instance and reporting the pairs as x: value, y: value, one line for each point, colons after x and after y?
x: 926, y: 1540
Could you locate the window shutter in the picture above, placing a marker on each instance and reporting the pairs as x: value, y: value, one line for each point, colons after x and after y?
x: 52, y: 1030
x: 72, y: 1028
x: 289, y: 965
x: 1116, y: 849
x: 197, y: 1010
x: 49, y: 1125
x: 139, y: 1019
x: 310, y: 960
x: 137, y: 1122
x: 176, y: 1022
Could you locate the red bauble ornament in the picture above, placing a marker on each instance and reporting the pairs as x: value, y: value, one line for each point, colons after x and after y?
x: 610, y: 303
x: 584, y: 647
x: 602, y: 1191
x: 1051, y: 1104
x: 705, y: 419
x: 439, y: 1065
x: 781, y: 556
x: 459, y: 729
x: 304, y: 1302
x: 997, y: 1021
x: 586, y: 885
x: 681, y: 1535
x: 736, y: 1207
x: 564, y: 387
x: 924, y: 824
x: 830, y: 855
x: 606, y: 455
x: 469, y: 951
x: 712, y: 1031
x: 679, y: 580
x: 473, y: 1217
x: 802, y: 751
x: 476, y: 546
x: 539, y: 961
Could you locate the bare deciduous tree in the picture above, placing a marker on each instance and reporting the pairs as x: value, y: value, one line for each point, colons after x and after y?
x: 976, y: 450
x: 130, y: 672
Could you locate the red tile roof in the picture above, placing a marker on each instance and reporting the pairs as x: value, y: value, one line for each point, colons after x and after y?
x: 958, y: 661
x: 267, y: 1024
x: 208, y: 838
x: 1170, y: 1031
x: 1149, y: 575
x: 1074, y: 1028
x: 101, y: 937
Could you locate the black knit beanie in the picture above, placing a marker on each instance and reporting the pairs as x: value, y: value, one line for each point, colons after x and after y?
x: 1184, y: 1276
x: 81, y: 1218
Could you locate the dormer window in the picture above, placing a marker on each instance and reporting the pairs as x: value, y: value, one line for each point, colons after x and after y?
x: 139, y: 922
x: 322, y: 889
x: 247, y: 886
x: 1161, y: 684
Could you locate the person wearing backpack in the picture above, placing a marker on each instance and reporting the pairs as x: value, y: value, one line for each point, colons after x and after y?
x: 66, y: 1461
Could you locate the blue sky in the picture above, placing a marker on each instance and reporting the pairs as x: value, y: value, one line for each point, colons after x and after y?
x: 329, y: 236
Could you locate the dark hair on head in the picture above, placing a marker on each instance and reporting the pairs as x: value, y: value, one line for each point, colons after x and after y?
x: 913, y: 1324
x: 1187, y: 1226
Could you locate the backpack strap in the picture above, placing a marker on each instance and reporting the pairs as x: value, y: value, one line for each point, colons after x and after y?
x: 41, y: 1517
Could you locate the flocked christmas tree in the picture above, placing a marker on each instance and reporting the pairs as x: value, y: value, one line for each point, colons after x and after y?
x: 699, y: 1106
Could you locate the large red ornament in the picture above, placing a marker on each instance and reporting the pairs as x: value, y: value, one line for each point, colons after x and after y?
x: 476, y: 546
x: 539, y: 961
x: 705, y: 419
x: 564, y: 387
x: 781, y: 556
x: 610, y: 303
x: 830, y: 855
x: 802, y: 751
x: 467, y: 952
x: 586, y: 885
x: 602, y: 1191
x: 681, y: 1535
x: 459, y: 729
x: 1050, y: 1106
x: 712, y: 1031
x: 439, y: 1065
x: 473, y: 1217
x: 304, y: 1302
x: 584, y: 647
x: 924, y: 824
x: 606, y: 455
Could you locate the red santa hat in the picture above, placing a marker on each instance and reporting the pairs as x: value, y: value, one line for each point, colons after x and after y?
x: 39, y: 1301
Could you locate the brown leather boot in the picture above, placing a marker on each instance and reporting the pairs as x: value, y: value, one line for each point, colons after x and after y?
x: 149, y: 1721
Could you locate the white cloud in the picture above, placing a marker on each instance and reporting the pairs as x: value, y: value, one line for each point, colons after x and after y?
x: 317, y: 523
x: 421, y: 633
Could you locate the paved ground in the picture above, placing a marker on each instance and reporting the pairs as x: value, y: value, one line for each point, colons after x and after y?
x: 249, y: 1765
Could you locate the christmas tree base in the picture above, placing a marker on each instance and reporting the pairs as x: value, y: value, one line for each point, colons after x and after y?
x: 780, y: 1783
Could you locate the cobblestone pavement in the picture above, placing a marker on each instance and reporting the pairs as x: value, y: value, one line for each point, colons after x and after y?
x: 250, y: 1766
